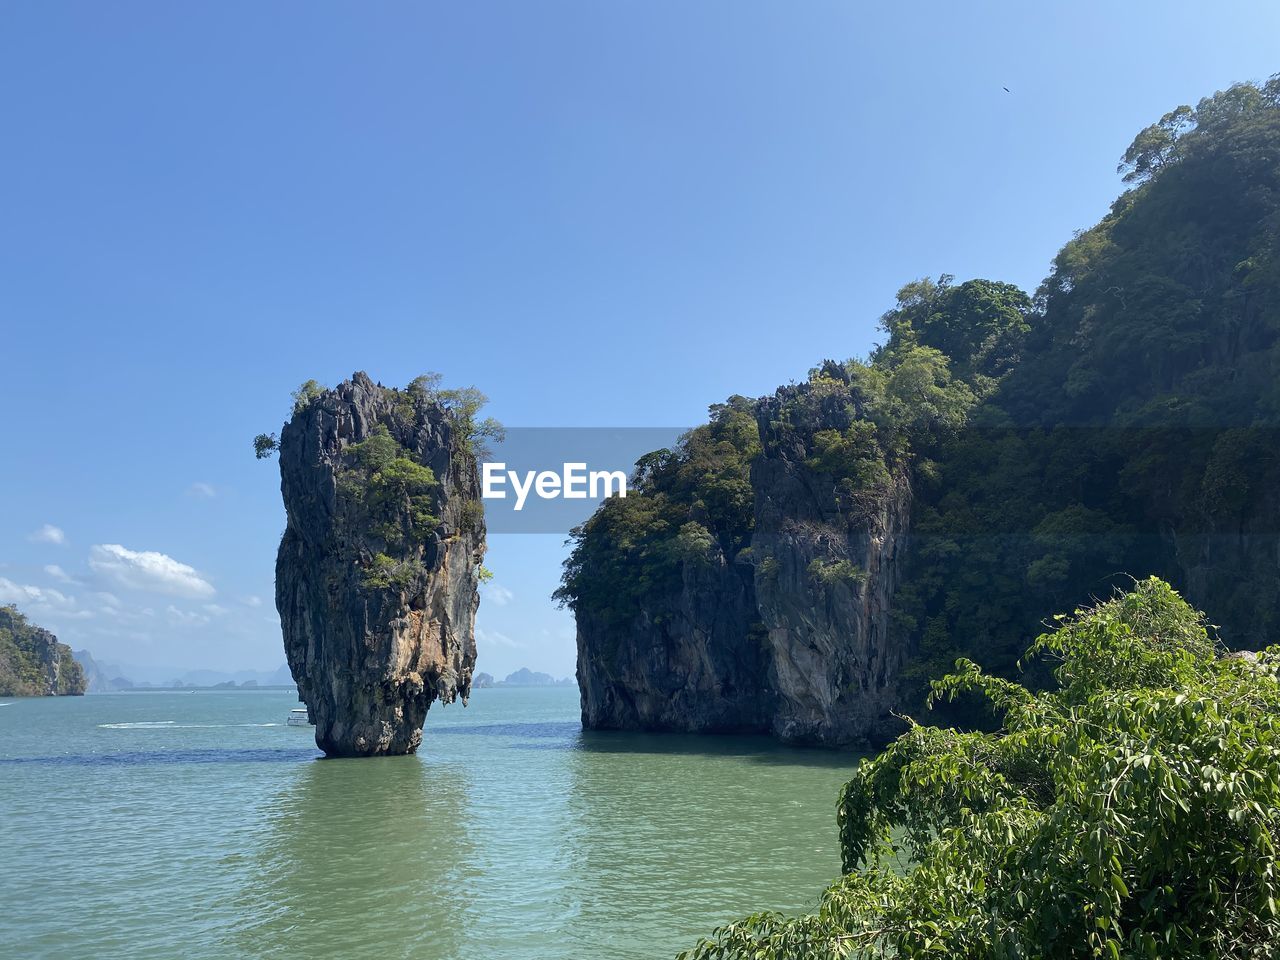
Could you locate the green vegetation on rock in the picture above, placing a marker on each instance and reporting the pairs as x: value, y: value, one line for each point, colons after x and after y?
x: 388, y: 500
x: 681, y: 504
x: 32, y: 661
x: 394, y: 493
x: 379, y: 566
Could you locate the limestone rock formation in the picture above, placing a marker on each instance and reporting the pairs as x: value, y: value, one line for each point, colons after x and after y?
x: 377, y: 573
x: 827, y: 572
x: 32, y: 661
x: 785, y: 634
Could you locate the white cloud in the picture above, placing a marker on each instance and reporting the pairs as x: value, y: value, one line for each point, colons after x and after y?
x: 202, y: 490
x: 44, y: 604
x: 487, y: 637
x: 252, y: 601
x: 109, y: 599
x: 48, y: 534
x: 215, y: 609
x: 496, y: 593
x: 55, y: 571
x: 11, y: 592
x: 148, y: 570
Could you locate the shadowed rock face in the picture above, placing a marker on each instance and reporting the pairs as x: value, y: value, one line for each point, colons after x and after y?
x: 377, y: 574
x: 694, y: 660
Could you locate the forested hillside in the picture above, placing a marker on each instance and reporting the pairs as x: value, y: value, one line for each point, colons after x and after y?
x: 1137, y: 433
x: 32, y: 661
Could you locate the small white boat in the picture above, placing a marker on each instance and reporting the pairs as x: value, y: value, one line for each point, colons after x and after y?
x: 298, y: 718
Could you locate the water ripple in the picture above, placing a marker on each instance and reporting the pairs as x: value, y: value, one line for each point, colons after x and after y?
x: 146, y: 757
x: 160, y: 826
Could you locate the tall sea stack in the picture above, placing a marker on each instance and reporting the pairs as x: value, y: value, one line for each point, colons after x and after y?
x: 378, y: 571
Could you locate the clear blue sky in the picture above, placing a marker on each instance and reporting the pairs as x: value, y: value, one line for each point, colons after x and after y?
x: 601, y: 213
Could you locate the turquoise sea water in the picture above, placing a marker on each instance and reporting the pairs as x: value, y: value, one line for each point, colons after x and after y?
x: 149, y: 825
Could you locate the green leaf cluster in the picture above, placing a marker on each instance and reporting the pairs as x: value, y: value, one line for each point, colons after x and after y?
x: 1129, y: 812
x: 384, y: 572
x: 395, y: 492
x: 305, y: 394
x: 463, y: 405
x: 832, y: 572
x: 693, y: 504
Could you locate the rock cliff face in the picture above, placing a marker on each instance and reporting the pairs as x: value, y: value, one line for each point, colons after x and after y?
x: 826, y: 570
x: 32, y: 661
x: 694, y: 660
x: 788, y: 635
x: 378, y: 570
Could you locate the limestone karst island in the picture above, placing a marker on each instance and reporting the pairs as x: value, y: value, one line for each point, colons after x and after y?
x: 604, y: 482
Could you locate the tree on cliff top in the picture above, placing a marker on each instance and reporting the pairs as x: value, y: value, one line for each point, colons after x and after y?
x: 1132, y: 811
x: 462, y: 404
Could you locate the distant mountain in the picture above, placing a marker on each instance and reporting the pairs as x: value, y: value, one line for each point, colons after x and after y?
x: 105, y: 677
x: 524, y: 677
x: 482, y: 680
x: 100, y: 676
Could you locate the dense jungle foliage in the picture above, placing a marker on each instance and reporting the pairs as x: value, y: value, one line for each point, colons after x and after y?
x: 1137, y: 430
x: 1132, y: 811
x: 860, y: 421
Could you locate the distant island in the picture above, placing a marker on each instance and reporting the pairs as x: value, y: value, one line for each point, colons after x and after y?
x: 221, y: 685
x: 105, y: 677
x: 524, y: 677
x: 32, y: 661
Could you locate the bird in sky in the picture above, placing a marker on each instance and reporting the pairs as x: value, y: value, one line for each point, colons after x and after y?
x: 1006, y: 90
